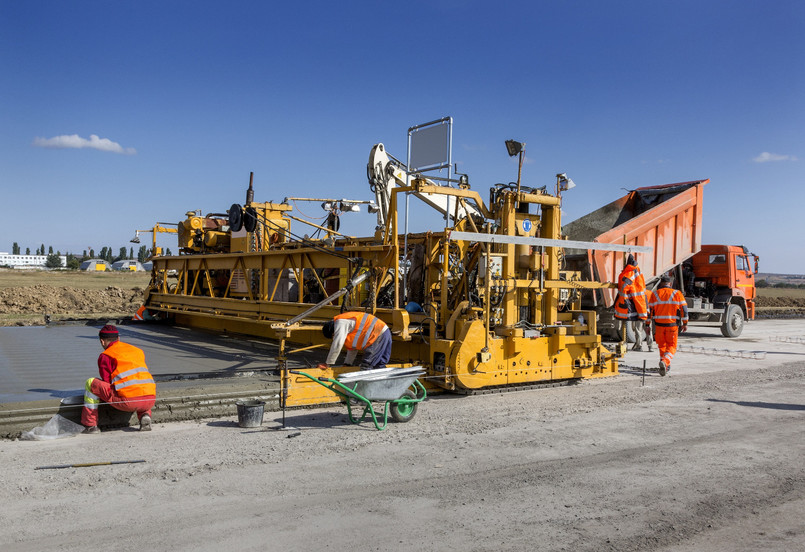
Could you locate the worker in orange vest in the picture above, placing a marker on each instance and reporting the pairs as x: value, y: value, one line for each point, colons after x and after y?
x: 359, y: 332
x: 125, y: 382
x: 630, y: 304
x: 669, y: 311
x: 142, y: 314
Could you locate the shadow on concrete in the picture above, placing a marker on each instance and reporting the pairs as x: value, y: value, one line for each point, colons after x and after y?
x: 757, y: 404
x: 59, y: 393
x: 321, y: 420
x: 222, y: 423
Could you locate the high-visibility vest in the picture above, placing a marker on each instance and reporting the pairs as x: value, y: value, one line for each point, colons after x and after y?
x: 668, y: 307
x: 139, y: 315
x: 367, y: 329
x: 131, y: 377
x: 630, y: 304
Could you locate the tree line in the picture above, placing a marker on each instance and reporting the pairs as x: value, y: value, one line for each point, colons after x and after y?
x: 74, y: 261
x: 782, y: 285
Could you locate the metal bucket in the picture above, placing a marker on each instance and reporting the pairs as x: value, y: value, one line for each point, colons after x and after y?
x: 250, y: 413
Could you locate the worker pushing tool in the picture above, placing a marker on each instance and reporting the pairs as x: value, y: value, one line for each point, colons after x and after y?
x: 125, y: 382
x: 630, y: 305
x: 359, y: 332
x: 669, y: 311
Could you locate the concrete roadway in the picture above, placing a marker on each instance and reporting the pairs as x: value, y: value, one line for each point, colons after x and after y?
x: 43, y: 362
x: 203, y: 375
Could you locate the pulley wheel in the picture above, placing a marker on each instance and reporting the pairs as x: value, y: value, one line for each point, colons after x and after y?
x: 250, y: 219
x: 235, y: 217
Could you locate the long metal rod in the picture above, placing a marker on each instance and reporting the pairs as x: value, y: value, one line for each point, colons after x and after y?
x: 518, y: 240
x: 343, y: 291
x: 87, y: 465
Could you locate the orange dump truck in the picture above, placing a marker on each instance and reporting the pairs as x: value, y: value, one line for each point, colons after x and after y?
x: 717, y: 280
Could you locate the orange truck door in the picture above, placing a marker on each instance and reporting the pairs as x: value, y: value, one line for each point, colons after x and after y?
x: 745, y: 283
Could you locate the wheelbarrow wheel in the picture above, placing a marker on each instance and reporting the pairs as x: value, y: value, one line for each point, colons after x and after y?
x: 403, y: 412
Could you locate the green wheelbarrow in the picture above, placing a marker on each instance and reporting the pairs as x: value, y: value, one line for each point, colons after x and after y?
x: 398, y: 388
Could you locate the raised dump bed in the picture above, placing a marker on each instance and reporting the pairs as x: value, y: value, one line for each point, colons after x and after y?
x: 667, y: 218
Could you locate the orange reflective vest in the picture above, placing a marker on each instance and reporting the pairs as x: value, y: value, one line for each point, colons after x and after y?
x: 131, y: 377
x: 630, y: 304
x: 668, y: 307
x: 139, y: 315
x: 367, y: 329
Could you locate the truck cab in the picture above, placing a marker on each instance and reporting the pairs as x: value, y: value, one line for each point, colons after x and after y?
x: 721, y: 278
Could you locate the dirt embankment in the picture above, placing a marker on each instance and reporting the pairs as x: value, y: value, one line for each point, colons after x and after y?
x: 788, y: 302
x: 26, y: 306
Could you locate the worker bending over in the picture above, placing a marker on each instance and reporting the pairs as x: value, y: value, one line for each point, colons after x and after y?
x: 359, y: 332
x: 669, y: 311
x: 125, y: 382
x: 630, y: 304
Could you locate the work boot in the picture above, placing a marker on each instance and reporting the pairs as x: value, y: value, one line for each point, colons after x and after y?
x: 145, y: 423
x: 91, y: 430
x: 663, y: 368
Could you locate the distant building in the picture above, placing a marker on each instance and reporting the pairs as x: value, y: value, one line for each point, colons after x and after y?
x: 128, y: 265
x: 27, y: 261
x: 98, y: 265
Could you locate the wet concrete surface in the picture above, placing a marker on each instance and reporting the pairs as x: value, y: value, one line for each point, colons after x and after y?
x: 54, y: 361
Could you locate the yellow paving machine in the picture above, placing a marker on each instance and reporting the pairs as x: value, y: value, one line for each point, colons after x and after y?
x: 480, y: 303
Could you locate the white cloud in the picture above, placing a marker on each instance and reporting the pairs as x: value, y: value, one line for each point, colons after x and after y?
x: 77, y: 142
x: 767, y: 157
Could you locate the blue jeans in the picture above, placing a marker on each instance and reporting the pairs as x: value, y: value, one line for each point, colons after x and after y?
x: 378, y: 353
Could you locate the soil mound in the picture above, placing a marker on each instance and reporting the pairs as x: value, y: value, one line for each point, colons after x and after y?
x: 75, y: 302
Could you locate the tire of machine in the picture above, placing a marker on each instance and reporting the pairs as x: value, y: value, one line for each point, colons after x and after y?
x: 733, y: 323
x: 630, y: 335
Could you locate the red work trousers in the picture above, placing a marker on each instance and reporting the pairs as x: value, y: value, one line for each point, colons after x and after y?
x: 666, y: 336
x: 105, y: 392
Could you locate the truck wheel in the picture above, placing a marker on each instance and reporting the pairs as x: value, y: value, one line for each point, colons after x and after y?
x: 733, y: 322
x: 403, y: 412
x: 630, y: 336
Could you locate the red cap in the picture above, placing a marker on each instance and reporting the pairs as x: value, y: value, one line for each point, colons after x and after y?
x: 110, y: 330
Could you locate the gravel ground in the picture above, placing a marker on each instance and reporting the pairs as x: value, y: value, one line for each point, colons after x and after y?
x: 708, y: 458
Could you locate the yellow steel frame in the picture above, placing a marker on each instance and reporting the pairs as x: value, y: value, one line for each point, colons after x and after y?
x: 469, y: 343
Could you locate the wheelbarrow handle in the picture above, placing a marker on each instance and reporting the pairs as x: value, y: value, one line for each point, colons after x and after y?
x: 301, y: 373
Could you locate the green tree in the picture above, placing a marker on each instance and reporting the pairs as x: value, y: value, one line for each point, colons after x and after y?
x: 131, y: 252
x: 762, y: 284
x: 15, y: 249
x: 42, y: 249
x: 73, y: 264
x: 142, y: 254
x: 27, y: 250
x: 108, y: 257
x: 91, y: 253
x: 122, y: 255
x: 102, y: 255
x: 50, y: 250
x: 53, y: 261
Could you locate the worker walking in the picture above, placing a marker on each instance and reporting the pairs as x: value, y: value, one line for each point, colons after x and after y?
x: 359, y: 332
x: 669, y: 311
x: 630, y: 304
x: 124, y: 382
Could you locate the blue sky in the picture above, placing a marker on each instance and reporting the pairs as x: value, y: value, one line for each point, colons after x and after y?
x: 117, y: 115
